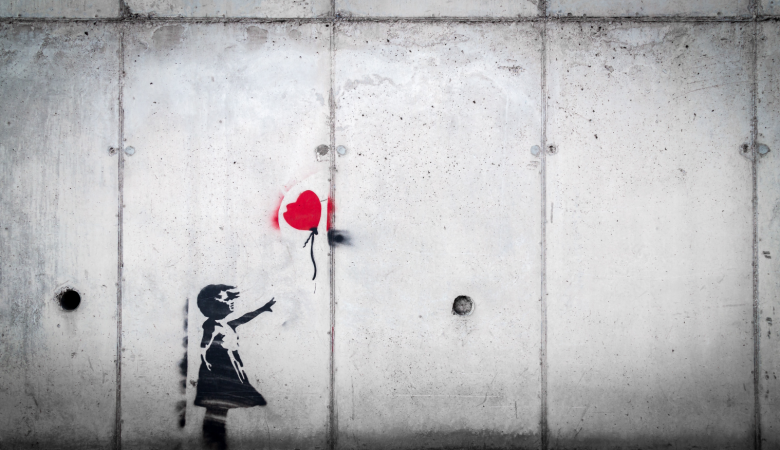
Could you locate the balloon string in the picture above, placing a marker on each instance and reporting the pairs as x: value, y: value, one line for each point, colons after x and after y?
x: 312, y: 256
x: 311, y: 236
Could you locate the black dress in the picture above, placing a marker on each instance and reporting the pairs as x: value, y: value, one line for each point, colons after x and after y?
x: 225, y: 384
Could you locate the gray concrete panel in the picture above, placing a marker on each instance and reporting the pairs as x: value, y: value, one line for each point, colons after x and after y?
x: 230, y: 8
x: 649, y: 263
x: 768, y: 173
x: 59, y: 8
x: 440, y: 195
x: 638, y: 8
x: 58, y: 230
x: 437, y: 8
x: 224, y: 121
x: 770, y: 7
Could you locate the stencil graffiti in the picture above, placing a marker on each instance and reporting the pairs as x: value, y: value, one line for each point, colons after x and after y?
x: 304, y: 214
x: 222, y: 380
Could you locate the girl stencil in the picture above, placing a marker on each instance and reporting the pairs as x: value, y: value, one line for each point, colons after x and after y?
x: 222, y: 381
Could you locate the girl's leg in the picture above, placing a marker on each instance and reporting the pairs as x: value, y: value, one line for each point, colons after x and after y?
x: 214, y: 428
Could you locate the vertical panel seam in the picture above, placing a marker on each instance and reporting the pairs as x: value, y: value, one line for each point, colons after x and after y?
x: 120, y: 249
x: 754, y: 180
x: 333, y: 417
x: 543, y: 181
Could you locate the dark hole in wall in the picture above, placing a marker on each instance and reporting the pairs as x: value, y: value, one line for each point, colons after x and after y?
x: 463, y: 305
x: 69, y: 299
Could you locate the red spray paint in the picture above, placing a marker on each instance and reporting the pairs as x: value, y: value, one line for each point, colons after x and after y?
x: 275, y: 216
x: 331, y: 211
x: 304, y: 214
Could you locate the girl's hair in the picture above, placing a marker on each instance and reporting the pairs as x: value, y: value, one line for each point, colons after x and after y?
x: 208, y: 303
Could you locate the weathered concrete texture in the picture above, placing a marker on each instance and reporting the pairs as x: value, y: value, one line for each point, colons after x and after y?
x: 58, y: 228
x: 224, y: 120
x: 59, y: 8
x: 713, y: 8
x: 437, y: 8
x: 649, y: 267
x: 768, y: 172
x: 230, y: 8
x: 770, y: 7
x: 440, y: 194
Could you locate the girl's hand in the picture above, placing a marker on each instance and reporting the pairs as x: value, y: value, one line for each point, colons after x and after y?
x: 203, y: 357
x: 267, y: 306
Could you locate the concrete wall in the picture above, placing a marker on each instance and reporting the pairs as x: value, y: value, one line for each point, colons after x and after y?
x: 600, y: 178
x: 440, y: 201
x: 649, y: 260
x: 58, y: 96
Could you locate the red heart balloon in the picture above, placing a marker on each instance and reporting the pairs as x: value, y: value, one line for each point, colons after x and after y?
x: 304, y: 214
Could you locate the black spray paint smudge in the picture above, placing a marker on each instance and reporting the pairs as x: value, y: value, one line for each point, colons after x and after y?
x: 338, y: 237
x: 181, y: 406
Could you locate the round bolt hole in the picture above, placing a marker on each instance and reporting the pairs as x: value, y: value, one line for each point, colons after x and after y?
x: 322, y: 150
x: 462, y: 306
x: 129, y: 151
x: 69, y: 299
x: 535, y: 150
x: 763, y: 149
x: 341, y: 150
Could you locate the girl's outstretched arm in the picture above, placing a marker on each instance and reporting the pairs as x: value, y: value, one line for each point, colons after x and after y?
x: 251, y: 315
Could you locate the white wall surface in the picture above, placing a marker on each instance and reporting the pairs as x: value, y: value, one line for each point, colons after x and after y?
x: 58, y: 229
x: 629, y: 8
x: 230, y: 8
x: 59, y: 8
x: 649, y: 258
x: 440, y: 194
x: 381, y: 8
x: 437, y: 8
x: 224, y: 120
x: 770, y: 7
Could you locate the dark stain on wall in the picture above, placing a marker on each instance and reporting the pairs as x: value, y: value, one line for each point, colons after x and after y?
x: 181, y: 406
x: 338, y: 237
